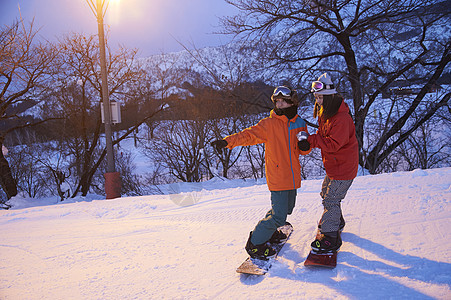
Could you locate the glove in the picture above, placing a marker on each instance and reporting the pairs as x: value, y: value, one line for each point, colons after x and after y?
x: 219, y: 145
x: 304, y: 145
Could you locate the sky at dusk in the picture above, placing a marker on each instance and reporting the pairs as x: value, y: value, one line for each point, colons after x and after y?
x: 152, y: 26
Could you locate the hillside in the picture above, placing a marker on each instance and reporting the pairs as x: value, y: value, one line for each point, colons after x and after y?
x: 187, y: 245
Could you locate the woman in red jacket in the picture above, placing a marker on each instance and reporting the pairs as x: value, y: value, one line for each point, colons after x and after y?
x: 339, y: 150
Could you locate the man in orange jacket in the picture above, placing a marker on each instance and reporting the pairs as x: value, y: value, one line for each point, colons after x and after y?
x: 339, y: 149
x: 283, y: 171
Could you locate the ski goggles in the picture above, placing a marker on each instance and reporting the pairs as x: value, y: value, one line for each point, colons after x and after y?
x: 318, y: 86
x: 281, y: 91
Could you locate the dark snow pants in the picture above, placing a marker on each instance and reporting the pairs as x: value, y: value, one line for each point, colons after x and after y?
x: 282, y: 203
x: 332, y: 192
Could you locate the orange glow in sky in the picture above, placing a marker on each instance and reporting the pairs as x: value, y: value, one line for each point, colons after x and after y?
x: 149, y: 25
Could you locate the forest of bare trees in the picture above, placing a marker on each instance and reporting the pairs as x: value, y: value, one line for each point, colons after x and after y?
x: 368, y: 46
x: 390, y: 61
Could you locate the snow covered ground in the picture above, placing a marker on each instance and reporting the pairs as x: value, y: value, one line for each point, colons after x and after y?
x: 187, y: 245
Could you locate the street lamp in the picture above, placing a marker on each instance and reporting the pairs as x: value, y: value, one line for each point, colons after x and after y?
x: 112, y: 178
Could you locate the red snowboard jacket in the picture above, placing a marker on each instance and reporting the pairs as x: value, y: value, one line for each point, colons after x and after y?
x: 338, y: 143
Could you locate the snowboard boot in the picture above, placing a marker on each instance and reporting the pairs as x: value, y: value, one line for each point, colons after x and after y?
x: 263, y: 251
x: 278, y: 237
x: 327, y: 242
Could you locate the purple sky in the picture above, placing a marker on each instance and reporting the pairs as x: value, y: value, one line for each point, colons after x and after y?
x: 149, y: 25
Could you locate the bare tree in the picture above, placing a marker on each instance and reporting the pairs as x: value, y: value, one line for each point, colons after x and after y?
x: 26, y: 172
x: 178, y: 146
x: 368, y: 44
x: 227, y: 158
x: 256, y: 157
x: 25, y: 66
x: 78, y: 95
x: 427, y: 147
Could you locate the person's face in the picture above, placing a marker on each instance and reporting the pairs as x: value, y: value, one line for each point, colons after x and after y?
x: 319, y: 99
x: 281, y: 103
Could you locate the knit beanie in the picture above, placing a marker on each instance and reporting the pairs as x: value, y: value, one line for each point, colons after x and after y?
x: 327, y: 81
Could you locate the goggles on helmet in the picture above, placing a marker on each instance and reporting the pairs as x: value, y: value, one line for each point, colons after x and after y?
x: 318, y: 86
x: 281, y: 92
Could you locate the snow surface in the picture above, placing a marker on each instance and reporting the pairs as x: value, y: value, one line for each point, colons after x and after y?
x: 187, y: 244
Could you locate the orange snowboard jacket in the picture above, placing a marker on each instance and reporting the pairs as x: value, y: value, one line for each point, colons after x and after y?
x: 283, y: 170
x: 338, y: 143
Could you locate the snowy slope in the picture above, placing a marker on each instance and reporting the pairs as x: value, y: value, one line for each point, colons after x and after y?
x: 188, y: 245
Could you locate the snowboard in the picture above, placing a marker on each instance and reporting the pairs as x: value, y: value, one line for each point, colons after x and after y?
x: 326, y: 260
x: 321, y: 259
x: 255, y: 266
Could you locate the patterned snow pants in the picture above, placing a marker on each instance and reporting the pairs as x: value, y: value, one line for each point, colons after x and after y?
x: 332, y: 192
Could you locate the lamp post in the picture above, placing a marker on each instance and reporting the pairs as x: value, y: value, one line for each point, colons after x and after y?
x: 112, y: 178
